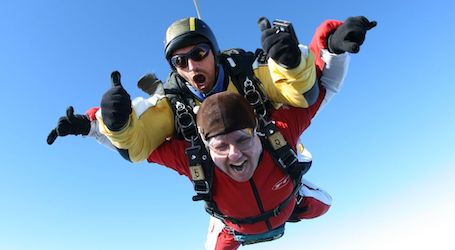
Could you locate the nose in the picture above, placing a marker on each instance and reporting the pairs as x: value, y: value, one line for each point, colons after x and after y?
x: 192, y: 64
x: 234, y: 152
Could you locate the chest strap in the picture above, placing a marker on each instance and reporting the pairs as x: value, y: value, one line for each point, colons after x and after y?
x: 214, y: 211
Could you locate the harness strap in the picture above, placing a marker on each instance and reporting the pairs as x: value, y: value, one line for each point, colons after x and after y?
x: 199, y: 163
x: 214, y: 211
x: 248, y: 239
x: 272, y: 139
x: 242, y: 75
x: 283, y: 153
x: 201, y: 173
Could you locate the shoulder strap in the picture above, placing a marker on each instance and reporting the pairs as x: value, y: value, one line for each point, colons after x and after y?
x: 182, y: 105
x: 242, y: 75
x: 185, y: 125
x: 239, y: 65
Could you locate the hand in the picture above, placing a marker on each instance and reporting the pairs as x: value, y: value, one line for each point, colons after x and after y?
x: 70, y: 125
x: 149, y: 83
x: 280, y: 46
x: 116, y: 105
x: 350, y: 35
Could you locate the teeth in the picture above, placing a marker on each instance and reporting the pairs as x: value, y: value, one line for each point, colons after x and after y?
x: 238, y: 167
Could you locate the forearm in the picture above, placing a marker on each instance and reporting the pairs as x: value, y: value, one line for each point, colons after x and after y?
x: 335, y: 71
x: 319, y: 41
x: 297, y: 87
x: 294, y: 87
x: 99, y: 137
x: 150, y: 123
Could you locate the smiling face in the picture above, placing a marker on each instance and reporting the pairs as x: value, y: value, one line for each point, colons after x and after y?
x: 197, y: 69
x: 236, y: 153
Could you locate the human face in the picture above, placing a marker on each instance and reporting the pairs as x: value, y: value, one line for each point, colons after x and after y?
x: 236, y: 153
x: 199, y: 71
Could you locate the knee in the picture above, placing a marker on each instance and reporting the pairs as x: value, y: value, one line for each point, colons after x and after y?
x: 313, y: 203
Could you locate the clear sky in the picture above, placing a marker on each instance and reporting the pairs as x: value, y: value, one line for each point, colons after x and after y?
x: 383, y: 148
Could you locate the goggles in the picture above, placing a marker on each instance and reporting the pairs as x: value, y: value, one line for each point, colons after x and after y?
x: 242, y: 142
x: 197, y: 54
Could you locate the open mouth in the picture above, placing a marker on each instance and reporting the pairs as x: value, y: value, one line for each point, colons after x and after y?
x: 199, y: 79
x: 238, y: 167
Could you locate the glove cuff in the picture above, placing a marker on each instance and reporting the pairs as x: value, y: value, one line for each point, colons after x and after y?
x: 117, y: 124
x: 86, y: 125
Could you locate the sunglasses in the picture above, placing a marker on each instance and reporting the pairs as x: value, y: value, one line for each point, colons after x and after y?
x: 196, y: 54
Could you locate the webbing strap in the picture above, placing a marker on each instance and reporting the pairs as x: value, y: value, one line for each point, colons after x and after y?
x: 247, y: 84
x: 272, y: 139
x: 197, y: 155
x: 282, y: 152
x: 214, y: 211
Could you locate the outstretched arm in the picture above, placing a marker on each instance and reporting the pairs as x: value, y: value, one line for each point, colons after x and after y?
x: 290, y: 78
x: 70, y: 124
x: 335, y: 41
x: 81, y: 124
x: 138, y: 127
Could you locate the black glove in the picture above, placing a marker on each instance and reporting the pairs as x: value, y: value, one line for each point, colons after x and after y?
x: 116, y: 105
x: 70, y: 125
x: 350, y: 35
x: 280, y: 46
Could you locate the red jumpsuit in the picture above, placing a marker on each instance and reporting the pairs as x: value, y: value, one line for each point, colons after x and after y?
x: 268, y: 187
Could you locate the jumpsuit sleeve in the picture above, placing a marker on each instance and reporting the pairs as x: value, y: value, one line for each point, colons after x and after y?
x: 335, y: 71
x: 150, y: 123
x: 298, y: 87
x: 171, y: 154
x: 319, y: 41
x: 288, y: 85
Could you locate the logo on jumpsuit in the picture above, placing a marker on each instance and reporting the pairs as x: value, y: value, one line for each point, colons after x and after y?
x: 281, y: 183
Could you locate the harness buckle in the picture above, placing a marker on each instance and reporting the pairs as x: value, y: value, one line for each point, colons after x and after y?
x: 277, y: 140
x: 185, y: 121
x: 201, y: 187
x: 254, y: 97
x: 196, y: 170
x: 276, y: 211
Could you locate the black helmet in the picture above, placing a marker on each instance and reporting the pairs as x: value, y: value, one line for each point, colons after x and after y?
x: 188, y: 31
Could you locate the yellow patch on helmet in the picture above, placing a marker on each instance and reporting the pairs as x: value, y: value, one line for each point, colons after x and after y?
x: 192, y: 24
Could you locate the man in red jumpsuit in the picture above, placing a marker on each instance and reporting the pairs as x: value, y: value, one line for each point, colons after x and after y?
x: 247, y: 182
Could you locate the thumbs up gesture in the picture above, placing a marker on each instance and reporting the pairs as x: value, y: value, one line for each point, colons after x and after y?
x: 70, y: 124
x: 116, y: 105
x: 281, y: 46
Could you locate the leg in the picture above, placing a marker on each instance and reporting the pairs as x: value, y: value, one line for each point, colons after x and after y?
x: 314, y: 202
x: 218, y: 237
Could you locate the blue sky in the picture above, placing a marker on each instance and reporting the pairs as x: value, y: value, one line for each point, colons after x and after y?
x: 383, y: 148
